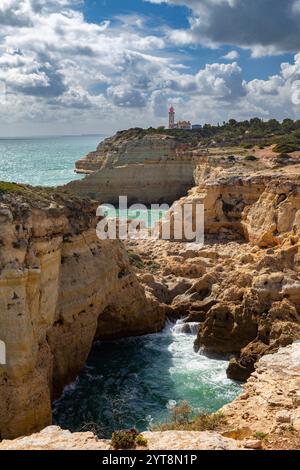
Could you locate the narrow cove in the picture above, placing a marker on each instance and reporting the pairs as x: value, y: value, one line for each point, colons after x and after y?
x: 134, y: 382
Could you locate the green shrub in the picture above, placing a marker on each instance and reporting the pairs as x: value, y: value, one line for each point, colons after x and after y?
x: 251, y: 158
x: 141, y: 441
x: 248, y: 146
x: 207, y: 422
x: 6, y: 187
x: 260, y: 435
x: 136, y: 260
x: 124, y: 439
x: 182, y: 419
x: 286, y: 148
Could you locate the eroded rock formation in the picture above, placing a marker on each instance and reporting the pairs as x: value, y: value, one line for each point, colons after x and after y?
x: 61, y: 288
x: 270, y: 403
x: 145, y: 168
x: 243, y: 286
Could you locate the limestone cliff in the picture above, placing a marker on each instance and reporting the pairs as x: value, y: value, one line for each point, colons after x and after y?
x: 61, y: 288
x: 147, y: 168
x: 270, y: 403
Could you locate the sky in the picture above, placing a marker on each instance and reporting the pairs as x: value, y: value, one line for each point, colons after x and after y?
x: 80, y: 67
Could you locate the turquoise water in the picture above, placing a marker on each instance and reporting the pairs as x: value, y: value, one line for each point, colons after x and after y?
x: 135, y: 381
x: 149, y: 218
x: 48, y: 161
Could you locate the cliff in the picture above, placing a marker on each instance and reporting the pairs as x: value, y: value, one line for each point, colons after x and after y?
x: 61, y: 288
x: 270, y: 404
x: 147, y: 168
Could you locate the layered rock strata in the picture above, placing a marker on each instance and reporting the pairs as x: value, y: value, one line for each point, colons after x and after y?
x: 145, y: 168
x: 270, y: 403
x: 61, y: 288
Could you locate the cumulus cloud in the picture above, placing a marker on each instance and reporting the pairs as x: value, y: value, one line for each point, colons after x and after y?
x: 56, y: 67
x: 126, y: 96
x: 265, y: 26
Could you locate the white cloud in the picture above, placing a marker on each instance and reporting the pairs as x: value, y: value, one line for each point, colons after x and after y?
x: 232, y: 55
x: 267, y: 27
x: 61, y: 72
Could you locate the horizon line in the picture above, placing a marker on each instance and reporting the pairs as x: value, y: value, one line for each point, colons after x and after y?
x: 45, y: 136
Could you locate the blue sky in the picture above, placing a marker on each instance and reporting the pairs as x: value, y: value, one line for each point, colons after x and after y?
x: 176, y: 16
x: 75, y: 66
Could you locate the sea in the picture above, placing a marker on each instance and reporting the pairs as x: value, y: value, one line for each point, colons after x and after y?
x: 136, y: 382
x: 44, y: 161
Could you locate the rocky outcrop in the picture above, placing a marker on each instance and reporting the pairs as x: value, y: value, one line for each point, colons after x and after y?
x: 61, y: 288
x: 54, y: 438
x: 270, y: 403
x: 146, y: 168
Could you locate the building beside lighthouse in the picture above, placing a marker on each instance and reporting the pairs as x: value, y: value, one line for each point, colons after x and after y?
x: 177, y: 125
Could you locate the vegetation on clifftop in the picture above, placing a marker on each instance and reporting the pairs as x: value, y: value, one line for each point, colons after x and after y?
x: 248, y: 133
x: 182, y: 418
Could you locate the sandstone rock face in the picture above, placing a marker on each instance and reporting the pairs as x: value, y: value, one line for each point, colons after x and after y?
x: 268, y: 404
x: 148, y: 169
x: 61, y: 288
x: 275, y: 213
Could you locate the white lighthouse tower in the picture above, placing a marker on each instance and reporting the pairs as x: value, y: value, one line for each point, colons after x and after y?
x: 171, y: 118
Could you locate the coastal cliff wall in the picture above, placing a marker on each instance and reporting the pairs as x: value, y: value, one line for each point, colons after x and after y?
x: 146, y: 168
x: 61, y: 288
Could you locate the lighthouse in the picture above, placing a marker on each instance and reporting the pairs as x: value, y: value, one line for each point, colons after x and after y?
x: 171, y: 118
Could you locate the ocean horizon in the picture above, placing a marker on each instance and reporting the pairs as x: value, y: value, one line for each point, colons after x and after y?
x: 44, y: 160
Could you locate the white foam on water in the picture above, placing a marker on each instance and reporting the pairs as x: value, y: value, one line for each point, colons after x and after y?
x: 137, y: 381
x: 195, y: 374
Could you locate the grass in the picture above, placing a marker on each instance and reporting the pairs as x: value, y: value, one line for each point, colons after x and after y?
x: 182, y: 418
x: 261, y: 436
x: 136, y: 260
x: 6, y: 187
